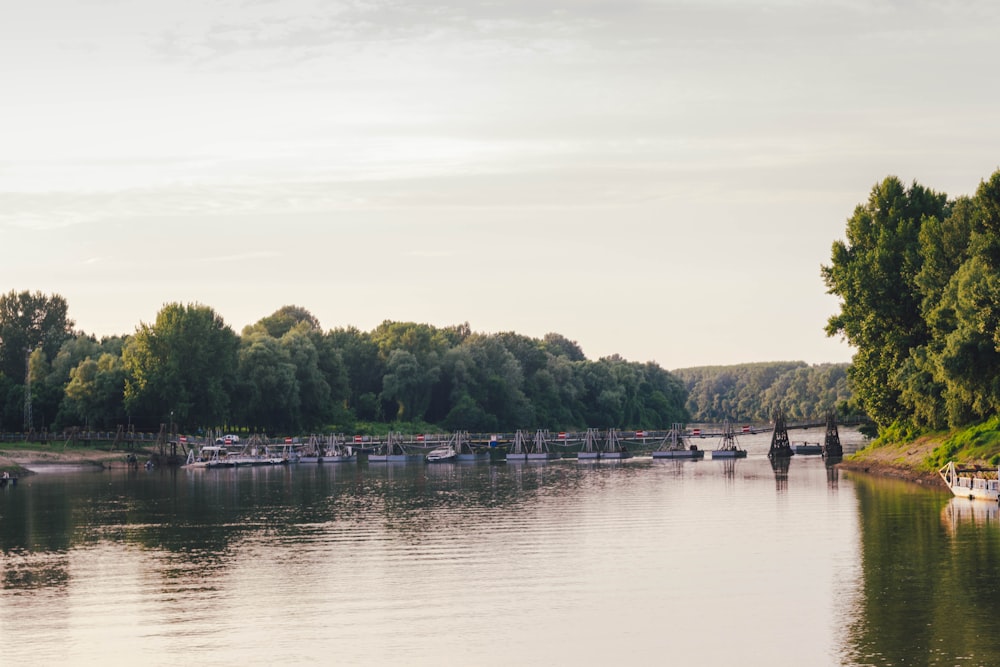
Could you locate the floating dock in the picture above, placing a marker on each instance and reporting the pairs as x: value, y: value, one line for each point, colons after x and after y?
x: 673, y: 447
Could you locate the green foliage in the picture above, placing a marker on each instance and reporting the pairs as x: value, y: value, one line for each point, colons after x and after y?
x: 184, y: 365
x: 977, y: 443
x: 285, y: 375
x: 754, y: 392
x: 30, y: 321
x: 95, y: 391
x: 919, y: 281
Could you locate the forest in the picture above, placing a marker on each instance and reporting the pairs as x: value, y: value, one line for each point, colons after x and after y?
x: 754, y: 392
x: 918, y: 278
x: 286, y: 375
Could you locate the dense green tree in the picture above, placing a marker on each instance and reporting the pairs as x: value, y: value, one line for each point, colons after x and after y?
x: 555, y: 393
x: 874, y: 273
x: 315, y: 406
x: 754, y: 392
x: 11, y: 404
x: 184, y: 364
x: 267, y: 389
x: 95, y: 391
x: 559, y: 345
x: 30, y: 321
x: 283, y: 320
x: 496, y: 382
x: 364, y: 368
x: 408, y: 384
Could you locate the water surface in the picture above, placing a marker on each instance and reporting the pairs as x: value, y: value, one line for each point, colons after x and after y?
x: 562, y: 563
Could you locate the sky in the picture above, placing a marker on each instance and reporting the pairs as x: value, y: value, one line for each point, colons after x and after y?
x: 658, y: 179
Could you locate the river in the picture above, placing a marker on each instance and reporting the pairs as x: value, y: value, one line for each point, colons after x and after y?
x: 637, y: 562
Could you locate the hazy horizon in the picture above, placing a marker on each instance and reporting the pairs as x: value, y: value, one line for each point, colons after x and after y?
x: 659, y: 179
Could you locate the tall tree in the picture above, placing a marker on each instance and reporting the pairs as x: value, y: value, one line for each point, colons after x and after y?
x: 281, y: 321
x: 30, y: 321
x: 315, y: 408
x: 95, y: 392
x: 267, y: 390
x: 184, y: 364
x: 364, y: 367
x: 874, y: 274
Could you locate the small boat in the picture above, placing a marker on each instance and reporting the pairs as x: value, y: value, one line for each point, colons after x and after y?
x: 807, y: 448
x: 729, y: 448
x: 972, y: 481
x: 441, y: 454
x: 673, y: 447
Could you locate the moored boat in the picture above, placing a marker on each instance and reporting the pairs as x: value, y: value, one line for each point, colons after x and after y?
x: 807, y: 448
x: 972, y: 481
x: 441, y: 454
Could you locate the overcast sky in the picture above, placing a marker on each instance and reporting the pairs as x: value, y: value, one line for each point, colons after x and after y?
x: 656, y: 178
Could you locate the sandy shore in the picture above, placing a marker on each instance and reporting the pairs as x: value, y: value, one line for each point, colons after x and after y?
x: 57, y: 458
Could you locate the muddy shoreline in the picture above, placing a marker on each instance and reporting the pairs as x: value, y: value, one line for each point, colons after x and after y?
x: 882, y: 469
x: 23, y: 462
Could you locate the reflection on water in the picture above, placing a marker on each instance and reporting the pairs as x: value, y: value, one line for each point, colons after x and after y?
x: 638, y: 561
x: 780, y: 466
x: 962, y: 513
x: 930, y: 590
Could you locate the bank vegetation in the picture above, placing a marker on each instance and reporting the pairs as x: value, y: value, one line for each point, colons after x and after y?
x: 918, y: 278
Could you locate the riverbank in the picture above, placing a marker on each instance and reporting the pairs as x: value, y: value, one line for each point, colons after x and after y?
x: 920, y: 459
x: 910, y: 461
x: 28, y: 458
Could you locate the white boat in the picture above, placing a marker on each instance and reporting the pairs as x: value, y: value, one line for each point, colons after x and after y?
x: 441, y: 454
x: 729, y: 448
x: 673, y: 447
x: 972, y: 482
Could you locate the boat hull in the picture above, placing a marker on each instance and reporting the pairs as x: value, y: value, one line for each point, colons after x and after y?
x: 690, y: 454
x: 729, y: 454
x: 391, y: 458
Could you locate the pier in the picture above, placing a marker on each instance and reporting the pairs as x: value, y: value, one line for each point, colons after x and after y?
x: 536, y: 444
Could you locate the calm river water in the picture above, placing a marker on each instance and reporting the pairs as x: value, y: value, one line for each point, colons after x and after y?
x: 638, y: 562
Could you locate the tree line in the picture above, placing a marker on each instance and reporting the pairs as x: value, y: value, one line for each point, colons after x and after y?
x: 918, y: 278
x: 755, y: 392
x: 286, y: 375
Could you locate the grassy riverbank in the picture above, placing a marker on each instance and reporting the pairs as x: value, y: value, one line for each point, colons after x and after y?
x: 18, y: 457
x: 919, y: 458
